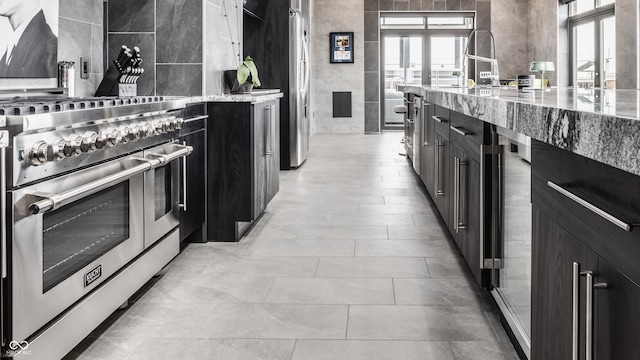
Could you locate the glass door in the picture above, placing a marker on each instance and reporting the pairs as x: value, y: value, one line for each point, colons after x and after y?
x: 585, y: 56
x: 401, y: 65
x: 511, y: 242
x: 594, y: 51
x: 447, y: 58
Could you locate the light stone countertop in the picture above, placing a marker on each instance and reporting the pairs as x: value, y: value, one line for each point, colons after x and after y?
x: 603, y: 125
x: 256, y: 96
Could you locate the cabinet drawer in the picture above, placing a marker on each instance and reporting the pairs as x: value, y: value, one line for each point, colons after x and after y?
x: 441, y: 117
x: 474, y: 129
x: 598, y: 186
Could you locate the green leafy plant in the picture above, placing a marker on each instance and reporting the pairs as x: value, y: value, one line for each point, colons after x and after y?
x: 248, y: 67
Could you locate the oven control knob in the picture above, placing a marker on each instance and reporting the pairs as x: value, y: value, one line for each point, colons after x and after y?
x: 145, y: 130
x: 134, y: 132
x: 101, y: 141
x: 173, y: 123
x: 125, y: 134
x: 57, y: 146
x: 179, y: 123
x: 40, y: 152
x: 166, y: 125
x: 157, y: 127
x: 88, y: 143
x: 72, y: 146
x: 113, y: 137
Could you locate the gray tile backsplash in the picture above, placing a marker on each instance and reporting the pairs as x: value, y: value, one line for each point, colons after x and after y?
x: 179, y: 31
x: 179, y: 80
x: 131, y: 16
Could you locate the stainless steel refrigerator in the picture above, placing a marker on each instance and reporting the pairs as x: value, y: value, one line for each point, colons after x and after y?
x: 299, y: 74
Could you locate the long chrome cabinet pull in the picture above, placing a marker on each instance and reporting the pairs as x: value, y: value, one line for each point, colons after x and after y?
x: 440, y: 120
x: 457, y: 225
x: 574, y: 313
x: 439, y: 192
x: 589, y: 311
x: 589, y: 306
x: 425, y: 135
x: 612, y: 219
x: 459, y: 130
x: 183, y: 206
x: 456, y: 191
x: 589, y: 321
x: 267, y: 131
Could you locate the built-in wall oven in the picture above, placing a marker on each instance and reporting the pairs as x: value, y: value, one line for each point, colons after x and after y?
x: 91, y: 196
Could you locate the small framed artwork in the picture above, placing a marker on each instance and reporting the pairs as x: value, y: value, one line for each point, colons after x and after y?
x: 341, y: 47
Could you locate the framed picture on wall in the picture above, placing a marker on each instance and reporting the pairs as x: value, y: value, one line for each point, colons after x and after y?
x: 341, y: 47
x: 29, y: 45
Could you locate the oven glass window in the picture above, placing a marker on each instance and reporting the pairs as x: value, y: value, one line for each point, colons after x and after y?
x: 78, y: 233
x: 162, y: 191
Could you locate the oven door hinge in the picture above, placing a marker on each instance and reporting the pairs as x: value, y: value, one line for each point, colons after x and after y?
x: 494, y: 264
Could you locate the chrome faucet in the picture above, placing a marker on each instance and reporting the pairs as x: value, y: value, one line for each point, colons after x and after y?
x: 495, y: 73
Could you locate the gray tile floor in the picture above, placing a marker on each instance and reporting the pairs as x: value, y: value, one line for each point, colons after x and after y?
x: 349, y: 262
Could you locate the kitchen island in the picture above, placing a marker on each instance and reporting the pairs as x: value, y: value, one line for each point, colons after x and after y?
x: 601, y: 125
x: 576, y: 272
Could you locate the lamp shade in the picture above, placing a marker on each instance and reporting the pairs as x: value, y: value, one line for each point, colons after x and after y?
x: 541, y: 66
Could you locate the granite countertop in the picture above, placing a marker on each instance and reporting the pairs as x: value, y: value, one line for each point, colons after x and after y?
x: 603, y: 125
x: 256, y: 96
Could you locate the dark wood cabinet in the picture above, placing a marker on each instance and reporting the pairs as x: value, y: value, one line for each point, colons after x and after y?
x: 243, y: 163
x: 192, y: 173
x: 427, y: 148
x: 566, y: 231
x: 554, y: 252
x: 441, y: 176
x: 465, y: 208
x: 442, y: 169
x: 266, y: 152
x: 468, y: 138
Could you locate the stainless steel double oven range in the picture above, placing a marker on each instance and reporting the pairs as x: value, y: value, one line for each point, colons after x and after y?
x: 91, y: 211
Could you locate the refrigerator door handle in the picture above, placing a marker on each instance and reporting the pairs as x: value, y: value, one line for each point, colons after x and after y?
x: 305, y: 61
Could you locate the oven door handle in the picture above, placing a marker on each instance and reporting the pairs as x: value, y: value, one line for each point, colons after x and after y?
x: 55, y: 201
x: 52, y: 202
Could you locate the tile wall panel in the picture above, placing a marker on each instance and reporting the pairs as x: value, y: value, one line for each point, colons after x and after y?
x: 179, y: 79
x: 179, y: 31
x: 131, y: 16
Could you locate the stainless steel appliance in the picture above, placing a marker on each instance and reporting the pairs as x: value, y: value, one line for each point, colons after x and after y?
x: 412, y: 129
x: 299, y: 73
x: 92, y: 198
x: 511, y: 246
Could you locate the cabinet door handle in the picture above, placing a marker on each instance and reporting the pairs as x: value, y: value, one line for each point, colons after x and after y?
x: 440, y: 120
x: 457, y: 225
x: 459, y: 130
x: 589, y: 306
x: 589, y: 312
x: 267, y: 131
x: 575, y: 301
x: 456, y: 192
x: 183, y: 206
x: 612, y: 219
x: 425, y: 135
x: 439, y: 145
